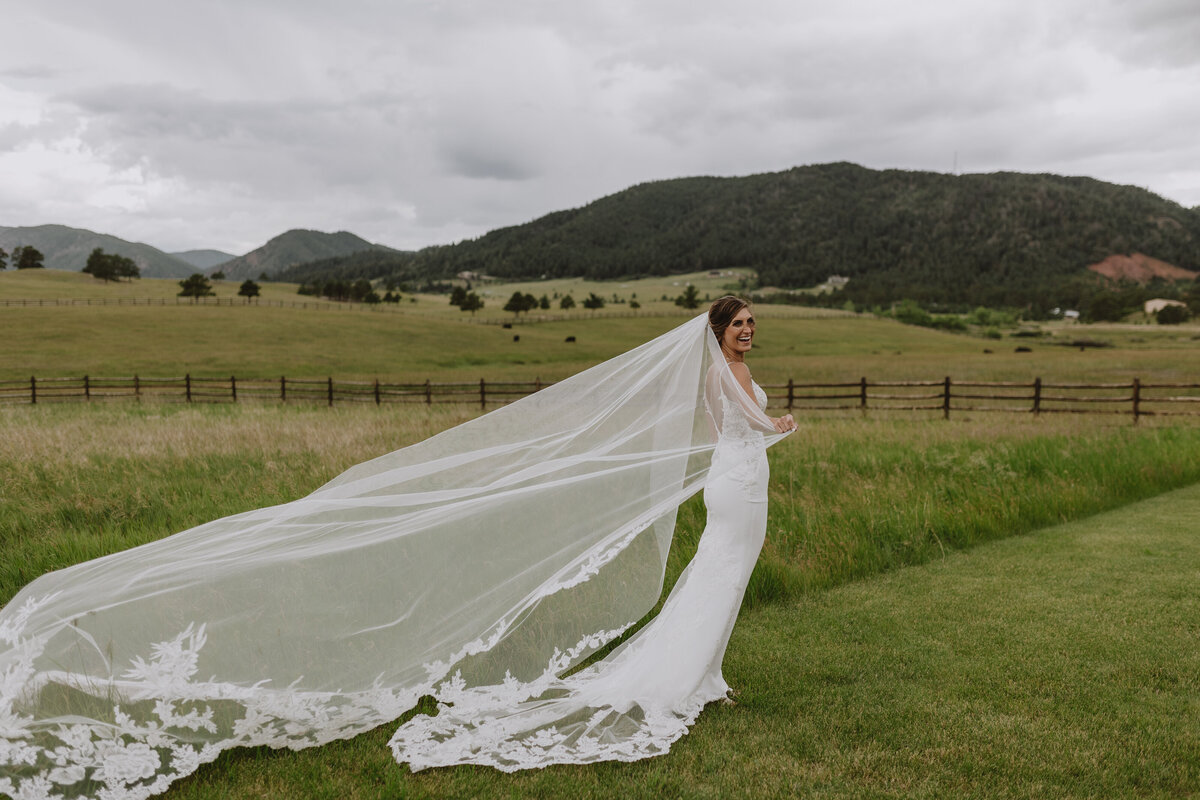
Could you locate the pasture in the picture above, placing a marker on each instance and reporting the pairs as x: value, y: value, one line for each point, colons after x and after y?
x: 432, y: 340
x: 898, y: 637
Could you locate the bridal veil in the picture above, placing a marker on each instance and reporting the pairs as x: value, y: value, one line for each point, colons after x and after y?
x: 501, y: 552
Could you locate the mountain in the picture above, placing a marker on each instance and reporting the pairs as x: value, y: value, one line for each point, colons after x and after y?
x: 68, y: 249
x: 204, y: 259
x: 291, y: 248
x: 997, y: 239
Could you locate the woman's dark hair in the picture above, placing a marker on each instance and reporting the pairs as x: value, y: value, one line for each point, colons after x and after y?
x: 722, y: 312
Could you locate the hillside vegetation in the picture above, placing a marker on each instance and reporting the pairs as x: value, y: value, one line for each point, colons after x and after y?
x: 1002, y: 239
x: 68, y: 249
x: 292, y: 248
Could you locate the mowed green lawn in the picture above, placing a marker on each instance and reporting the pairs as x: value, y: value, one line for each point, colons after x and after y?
x: 1061, y: 664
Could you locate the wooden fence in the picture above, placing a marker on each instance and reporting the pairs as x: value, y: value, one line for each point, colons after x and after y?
x: 1136, y: 399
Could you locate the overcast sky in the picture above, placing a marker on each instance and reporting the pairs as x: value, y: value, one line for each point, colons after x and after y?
x: 221, y: 124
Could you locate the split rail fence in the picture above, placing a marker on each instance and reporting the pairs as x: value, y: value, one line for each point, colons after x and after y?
x: 1135, y: 398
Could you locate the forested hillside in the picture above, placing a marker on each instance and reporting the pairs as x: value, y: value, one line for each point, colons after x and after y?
x: 997, y: 239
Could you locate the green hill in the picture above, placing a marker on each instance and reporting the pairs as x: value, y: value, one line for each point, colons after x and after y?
x: 999, y: 239
x: 292, y: 248
x: 68, y: 249
x: 204, y: 259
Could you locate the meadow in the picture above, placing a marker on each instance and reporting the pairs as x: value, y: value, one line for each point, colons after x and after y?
x: 899, y: 637
x: 432, y: 340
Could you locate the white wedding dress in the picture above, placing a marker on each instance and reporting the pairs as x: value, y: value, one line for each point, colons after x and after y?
x: 480, y: 566
x: 644, y: 695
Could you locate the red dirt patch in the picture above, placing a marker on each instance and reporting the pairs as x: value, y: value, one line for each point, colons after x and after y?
x: 1141, y: 268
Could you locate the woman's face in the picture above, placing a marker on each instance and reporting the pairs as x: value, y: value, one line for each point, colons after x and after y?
x: 740, y: 333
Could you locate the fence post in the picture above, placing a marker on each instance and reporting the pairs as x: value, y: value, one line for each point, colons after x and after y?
x: 87, y: 388
x: 331, y: 392
x: 233, y: 386
x: 377, y: 391
x: 187, y: 386
x: 428, y: 392
x: 537, y: 384
x: 946, y: 398
x: 791, y: 394
x: 137, y: 387
x: 33, y: 390
x: 282, y: 389
x: 1137, y: 399
x: 482, y: 394
x: 862, y: 396
x: 1037, y: 396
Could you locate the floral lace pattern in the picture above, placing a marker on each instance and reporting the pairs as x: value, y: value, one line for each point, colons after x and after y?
x: 143, y: 748
x: 740, y: 453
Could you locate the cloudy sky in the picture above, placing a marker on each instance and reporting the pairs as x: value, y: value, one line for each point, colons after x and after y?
x: 413, y: 122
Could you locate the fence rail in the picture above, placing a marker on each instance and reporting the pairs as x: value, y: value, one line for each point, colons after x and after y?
x: 1136, y: 399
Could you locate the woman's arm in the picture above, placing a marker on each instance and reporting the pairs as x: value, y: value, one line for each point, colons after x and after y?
x: 742, y: 373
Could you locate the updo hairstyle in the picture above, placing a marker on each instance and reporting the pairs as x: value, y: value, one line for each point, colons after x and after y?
x: 722, y: 312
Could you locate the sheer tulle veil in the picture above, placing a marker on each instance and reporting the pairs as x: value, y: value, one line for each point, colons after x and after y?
x: 502, y: 551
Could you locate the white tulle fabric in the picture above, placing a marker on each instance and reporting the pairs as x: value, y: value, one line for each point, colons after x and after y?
x: 477, y: 566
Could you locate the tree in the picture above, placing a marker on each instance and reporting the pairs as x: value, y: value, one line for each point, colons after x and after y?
x: 1106, y: 307
x: 3, y: 258
x: 27, y: 257
x: 110, y: 266
x: 196, y: 286
x: 593, y: 301
x: 520, y: 302
x: 634, y: 305
x: 219, y: 275
x: 544, y: 303
x: 689, y: 299
x: 361, y: 289
x: 471, y: 303
x: 458, y: 296
x: 1172, y: 315
x: 248, y: 289
x: 567, y: 302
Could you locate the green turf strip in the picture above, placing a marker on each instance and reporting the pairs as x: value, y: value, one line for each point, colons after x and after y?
x: 1059, y: 664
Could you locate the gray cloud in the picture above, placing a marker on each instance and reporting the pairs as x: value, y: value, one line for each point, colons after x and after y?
x: 415, y: 123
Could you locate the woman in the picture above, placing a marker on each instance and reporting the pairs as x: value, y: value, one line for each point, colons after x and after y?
x: 643, y: 696
x: 477, y: 566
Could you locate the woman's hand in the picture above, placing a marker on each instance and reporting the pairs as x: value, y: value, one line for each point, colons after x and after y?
x: 784, y: 424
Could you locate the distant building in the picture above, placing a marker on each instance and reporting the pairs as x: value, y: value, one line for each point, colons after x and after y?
x: 1071, y: 314
x: 1156, y: 305
x: 836, y: 281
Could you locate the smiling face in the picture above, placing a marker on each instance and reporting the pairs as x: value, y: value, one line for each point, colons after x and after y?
x: 739, y: 336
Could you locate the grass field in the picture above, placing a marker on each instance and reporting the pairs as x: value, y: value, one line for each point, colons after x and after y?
x: 432, y: 340
x: 1061, y: 664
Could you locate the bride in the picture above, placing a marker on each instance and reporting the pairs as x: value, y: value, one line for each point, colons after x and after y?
x: 479, y: 566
